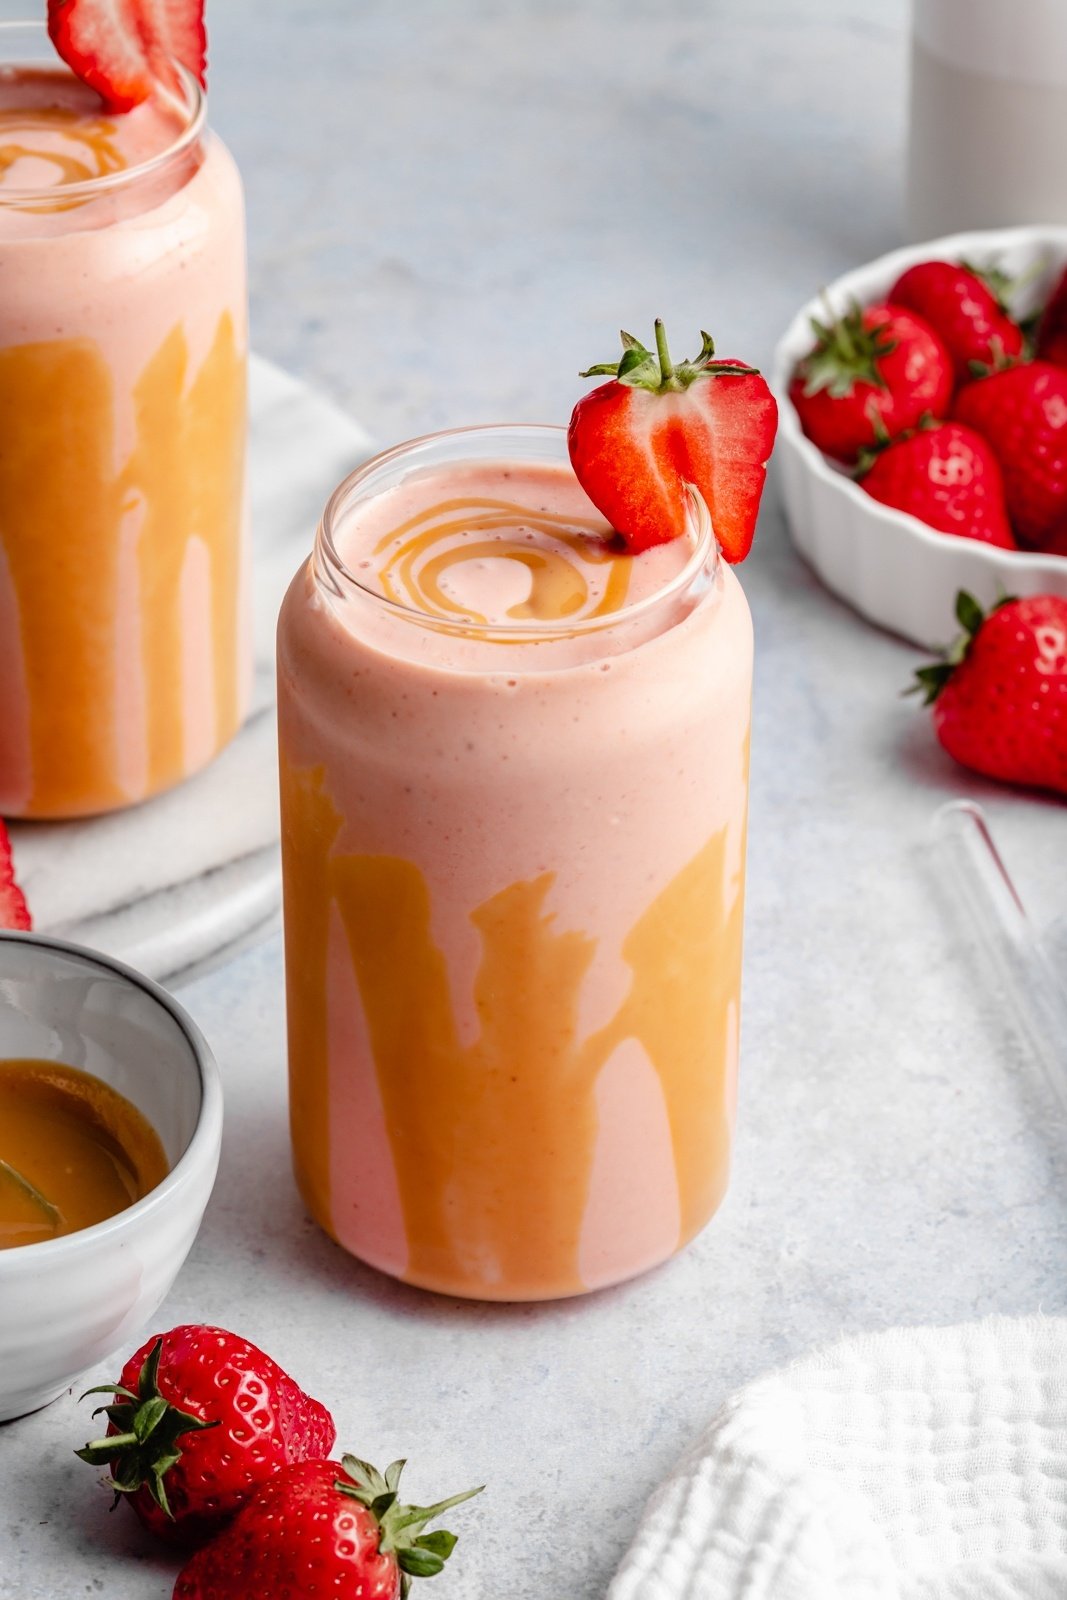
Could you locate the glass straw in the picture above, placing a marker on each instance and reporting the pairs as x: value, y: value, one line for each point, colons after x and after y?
x: 965, y: 851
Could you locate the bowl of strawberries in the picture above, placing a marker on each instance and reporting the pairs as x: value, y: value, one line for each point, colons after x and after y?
x: 923, y: 428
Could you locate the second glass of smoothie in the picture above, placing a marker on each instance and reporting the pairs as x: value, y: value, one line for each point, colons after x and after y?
x: 514, y: 780
x: 125, y: 647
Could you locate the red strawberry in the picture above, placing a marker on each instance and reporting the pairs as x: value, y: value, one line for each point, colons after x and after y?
x: 871, y: 372
x: 200, y: 1418
x: 121, y: 48
x: 948, y: 477
x: 635, y: 444
x: 1055, y: 544
x: 14, y: 912
x: 322, y: 1528
x: 1022, y: 413
x: 1052, y: 329
x: 1000, y: 693
x: 963, y: 310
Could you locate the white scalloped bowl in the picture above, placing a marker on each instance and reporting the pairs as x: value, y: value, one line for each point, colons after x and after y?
x: 889, y: 566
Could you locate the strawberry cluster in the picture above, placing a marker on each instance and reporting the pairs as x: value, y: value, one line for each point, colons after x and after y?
x: 946, y: 407
x: 216, y: 1449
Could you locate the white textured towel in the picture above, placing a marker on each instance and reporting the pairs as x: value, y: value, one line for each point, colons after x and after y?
x: 921, y: 1464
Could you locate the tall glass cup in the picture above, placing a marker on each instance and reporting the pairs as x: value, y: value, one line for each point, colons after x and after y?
x: 514, y: 780
x: 125, y: 651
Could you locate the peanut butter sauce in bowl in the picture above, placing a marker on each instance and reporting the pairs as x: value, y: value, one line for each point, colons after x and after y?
x: 110, y: 1129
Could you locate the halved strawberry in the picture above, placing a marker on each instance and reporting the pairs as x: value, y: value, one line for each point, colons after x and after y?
x: 121, y: 48
x: 14, y: 912
x: 635, y: 443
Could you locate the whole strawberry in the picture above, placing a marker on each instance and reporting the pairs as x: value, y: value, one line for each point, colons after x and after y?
x: 964, y: 311
x: 637, y: 442
x: 948, y: 477
x: 14, y: 912
x: 1052, y: 329
x: 1022, y: 413
x: 1055, y: 543
x: 1000, y: 694
x: 322, y: 1528
x: 1051, y: 335
x: 200, y: 1418
x: 871, y: 372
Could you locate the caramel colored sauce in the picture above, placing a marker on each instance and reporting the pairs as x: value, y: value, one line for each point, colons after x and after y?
x: 65, y: 513
x: 471, y: 1126
x: 563, y: 556
x: 73, y: 1151
x: 186, y: 471
x: 78, y: 147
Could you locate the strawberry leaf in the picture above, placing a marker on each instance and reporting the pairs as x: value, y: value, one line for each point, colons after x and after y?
x: 845, y: 353
x: 144, y: 1446
x: 419, y: 1563
x: 149, y: 1416
x: 969, y: 613
x: 640, y: 368
x: 931, y: 679
x: 440, y: 1541
x: 418, y: 1554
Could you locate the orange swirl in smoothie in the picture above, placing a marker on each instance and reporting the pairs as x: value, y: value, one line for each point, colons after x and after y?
x: 55, y: 132
x: 488, y: 561
x: 76, y: 148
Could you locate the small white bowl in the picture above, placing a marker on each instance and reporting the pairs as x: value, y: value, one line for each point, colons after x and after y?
x: 886, y: 564
x: 67, y: 1303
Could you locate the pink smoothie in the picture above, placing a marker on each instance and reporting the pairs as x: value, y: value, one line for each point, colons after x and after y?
x: 514, y: 772
x: 125, y: 654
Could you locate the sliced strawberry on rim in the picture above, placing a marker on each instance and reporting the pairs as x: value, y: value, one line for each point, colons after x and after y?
x: 123, y: 48
x: 638, y: 442
x: 14, y: 912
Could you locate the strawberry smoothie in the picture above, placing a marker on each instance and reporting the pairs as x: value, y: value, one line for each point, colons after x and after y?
x: 514, y: 782
x: 124, y: 636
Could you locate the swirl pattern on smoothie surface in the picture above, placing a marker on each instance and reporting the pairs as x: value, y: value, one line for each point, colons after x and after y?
x: 54, y: 132
x: 62, y: 146
x: 513, y: 546
x: 493, y: 561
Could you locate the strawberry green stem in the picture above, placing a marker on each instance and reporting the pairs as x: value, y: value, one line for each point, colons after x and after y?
x: 640, y: 369
x: 144, y: 1446
x: 113, y: 1441
x: 668, y: 377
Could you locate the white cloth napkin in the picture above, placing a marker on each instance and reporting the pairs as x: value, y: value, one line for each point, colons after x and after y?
x: 921, y: 1464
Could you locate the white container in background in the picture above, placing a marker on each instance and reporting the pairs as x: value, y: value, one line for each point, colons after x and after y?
x: 988, y: 131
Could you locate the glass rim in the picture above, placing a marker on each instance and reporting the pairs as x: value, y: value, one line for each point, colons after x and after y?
x: 194, y: 111
x: 338, y: 577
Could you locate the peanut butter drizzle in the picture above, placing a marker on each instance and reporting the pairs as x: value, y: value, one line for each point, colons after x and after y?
x: 59, y: 528
x: 310, y: 824
x: 472, y: 1128
x: 63, y: 509
x: 93, y: 152
x: 186, y: 469
x: 559, y: 587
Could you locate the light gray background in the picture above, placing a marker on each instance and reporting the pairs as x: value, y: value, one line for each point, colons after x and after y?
x: 452, y: 207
